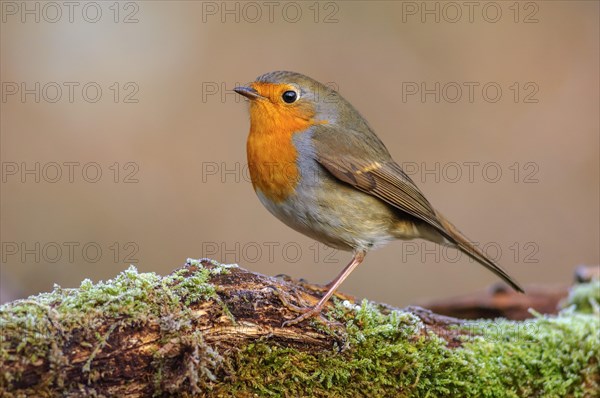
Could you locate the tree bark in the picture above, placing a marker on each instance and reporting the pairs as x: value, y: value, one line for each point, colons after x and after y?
x: 214, y: 330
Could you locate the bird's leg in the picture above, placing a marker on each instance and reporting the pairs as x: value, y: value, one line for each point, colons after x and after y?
x: 358, y: 258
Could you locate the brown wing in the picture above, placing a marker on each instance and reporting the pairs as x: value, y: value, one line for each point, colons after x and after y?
x: 367, y: 165
x: 387, y: 181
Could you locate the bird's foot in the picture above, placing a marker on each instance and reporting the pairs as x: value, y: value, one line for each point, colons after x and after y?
x: 285, y: 300
x: 306, y: 313
x: 304, y: 309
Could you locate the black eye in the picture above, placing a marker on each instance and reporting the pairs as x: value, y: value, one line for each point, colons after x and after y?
x: 289, y: 96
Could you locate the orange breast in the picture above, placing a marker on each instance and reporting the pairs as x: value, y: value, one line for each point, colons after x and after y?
x: 271, y: 153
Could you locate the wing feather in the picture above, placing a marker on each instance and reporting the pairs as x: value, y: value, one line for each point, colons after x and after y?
x: 383, y: 179
x: 368, y: 166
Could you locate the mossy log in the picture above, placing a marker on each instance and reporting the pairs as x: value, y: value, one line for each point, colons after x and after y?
x: 213, y: 330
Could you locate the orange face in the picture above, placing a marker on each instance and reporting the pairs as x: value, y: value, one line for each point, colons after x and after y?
x: 277, y: 112
x: 271, y: 110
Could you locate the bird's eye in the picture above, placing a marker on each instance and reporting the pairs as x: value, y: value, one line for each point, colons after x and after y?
x: 289, y: 96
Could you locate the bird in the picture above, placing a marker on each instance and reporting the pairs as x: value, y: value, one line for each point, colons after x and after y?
x: 317, y: 165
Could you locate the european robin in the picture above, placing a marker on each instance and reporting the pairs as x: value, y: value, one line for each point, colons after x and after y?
x: 317, y: 166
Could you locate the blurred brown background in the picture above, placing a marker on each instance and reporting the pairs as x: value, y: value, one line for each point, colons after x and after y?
x: 170, y: 141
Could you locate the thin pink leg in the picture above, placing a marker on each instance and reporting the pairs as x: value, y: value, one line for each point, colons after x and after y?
x: 332, y: 286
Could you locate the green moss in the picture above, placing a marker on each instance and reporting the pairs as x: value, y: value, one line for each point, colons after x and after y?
x: 384, y: 353
x: 585, y: 297
x: 40, y: 326
x: 549, y: 356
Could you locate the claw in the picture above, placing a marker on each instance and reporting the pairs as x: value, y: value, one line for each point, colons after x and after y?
x: 306, y: 314
x: 285, y: 301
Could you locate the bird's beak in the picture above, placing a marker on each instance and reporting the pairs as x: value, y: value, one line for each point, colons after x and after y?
x: 248, y: 92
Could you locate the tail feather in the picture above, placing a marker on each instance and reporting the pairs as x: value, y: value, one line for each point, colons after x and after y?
x: 457, y: 238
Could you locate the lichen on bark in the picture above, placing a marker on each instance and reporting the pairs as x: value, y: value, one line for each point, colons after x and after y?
x: 210, y: 329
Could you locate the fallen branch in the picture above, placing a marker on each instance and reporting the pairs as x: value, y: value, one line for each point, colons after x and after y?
x: 500, y: 301
x: 215, y: 330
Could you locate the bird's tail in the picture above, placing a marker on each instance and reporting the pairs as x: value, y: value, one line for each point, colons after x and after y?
x: 461, y: 242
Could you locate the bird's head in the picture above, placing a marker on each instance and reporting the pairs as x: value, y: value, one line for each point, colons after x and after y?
x: 284, y: 100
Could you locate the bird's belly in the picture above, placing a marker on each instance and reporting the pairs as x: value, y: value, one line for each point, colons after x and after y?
x: 337, y: 215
